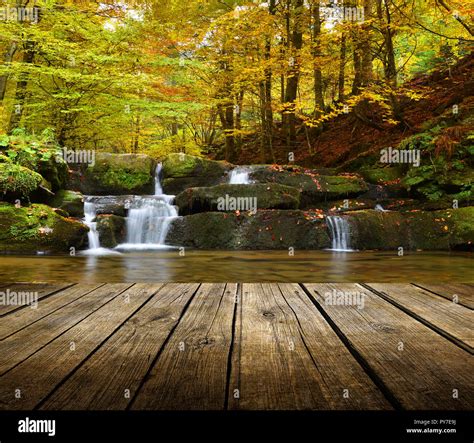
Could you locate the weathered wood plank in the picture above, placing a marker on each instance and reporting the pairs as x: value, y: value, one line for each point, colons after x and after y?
x: 40, y: 290
x: 26, y: 342
x: 288, y: 357
x: 450, y: 319
x: 104, y: 381
x: 191, y: 371
x: 420, y: 368
x: 37, y: 376
x: 20, y: 319
x: 463, y: 292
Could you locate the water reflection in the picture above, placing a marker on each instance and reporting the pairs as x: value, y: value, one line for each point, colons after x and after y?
x: 242, y: 266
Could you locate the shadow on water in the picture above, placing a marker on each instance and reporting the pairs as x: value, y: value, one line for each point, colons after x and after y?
x: 242, y: 266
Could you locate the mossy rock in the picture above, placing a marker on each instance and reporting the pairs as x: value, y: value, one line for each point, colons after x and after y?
x: 438, y: 230
x: 181, y: 171
x: 314, y: 188
x: 70, y: 201
x: 38, y: 227
x: 111, y: 229
x: 265, y: 230
x: 245, y: 197
x: 119, y: 174
x: 461, y: 225
x: 18, y: 182
x: 55, y: 171
x: 378, y: 176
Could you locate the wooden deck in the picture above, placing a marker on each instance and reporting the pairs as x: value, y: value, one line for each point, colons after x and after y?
x: 238, y: 347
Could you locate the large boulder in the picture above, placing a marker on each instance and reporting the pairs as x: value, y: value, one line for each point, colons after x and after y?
x: 119, y: 174
x: 438, y: 230
x: 314, y: 188
x: 111, y: 229
x: 267, y: 229
x: 19, y: 183
x: 181, y: 171
x: 38, y: 228
x: 237, y: 197
x: 111, y: 204
x: 71, y: 202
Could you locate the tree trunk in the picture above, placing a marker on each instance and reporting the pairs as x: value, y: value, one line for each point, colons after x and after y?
x: 342, y: 67
x: 21, y: 89
x: 293, y: 77
x: 318, y: 78
x: 7, y: 59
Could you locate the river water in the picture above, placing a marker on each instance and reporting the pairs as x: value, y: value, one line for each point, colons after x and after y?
x: 241, y: 266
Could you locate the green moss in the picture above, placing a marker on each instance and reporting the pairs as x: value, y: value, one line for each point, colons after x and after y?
x: 70, y: 201
x: 439, y: 230
x: 111, y: 229
x: 17, y: 181
x: 382, y: 175
x: 264, y: 196
x: 268, y: 229
x: 314, y: 188
x: 38, y: 227
x: 182, y: 165
x: 182, y: 171
x: 118, y: 174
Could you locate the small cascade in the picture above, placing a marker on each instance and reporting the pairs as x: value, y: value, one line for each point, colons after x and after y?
x: 240, y: 176
x: 149, y: 219
x: 90, y: 215
x: 339, y: 228
x: 158, y: 188
x: 380, y: 208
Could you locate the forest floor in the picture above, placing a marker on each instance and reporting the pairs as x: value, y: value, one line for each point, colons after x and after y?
x: 346, y: 137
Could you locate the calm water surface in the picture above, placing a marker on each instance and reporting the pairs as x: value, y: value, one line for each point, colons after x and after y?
x: 241, y: 266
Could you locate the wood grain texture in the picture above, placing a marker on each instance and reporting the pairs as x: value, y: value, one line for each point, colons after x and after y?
x: 450, y: 319
x: 191, y: 372
x: 54, y: 362
x: 26, y: 342
x: 463, y: 291
x: 110, y: 377
x: 40, y: 290
x: 22, y: 318
x: 288, y: 357
x: 427, y: 373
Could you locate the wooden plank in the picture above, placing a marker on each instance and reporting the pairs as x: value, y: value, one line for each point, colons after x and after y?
x: 463, y: 292
x: 26, y: 342
x: 288, y: 357
x: 421, y: 369
x: 191, y: 371
x: 37, y: 291
x: 450, y: 319
x: 20, y: 319
x: 119, y: 366
x: 37, y: 376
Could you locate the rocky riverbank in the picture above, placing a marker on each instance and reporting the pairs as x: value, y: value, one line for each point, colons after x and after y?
x: 279, y: 207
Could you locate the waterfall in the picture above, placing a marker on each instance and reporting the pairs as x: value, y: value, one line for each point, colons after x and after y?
x: 149, y: 219
x: 239, y: 176
x: 93, y: 235
x: 158, y: 188
x: 380, y: 208
x: 339, y: 228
